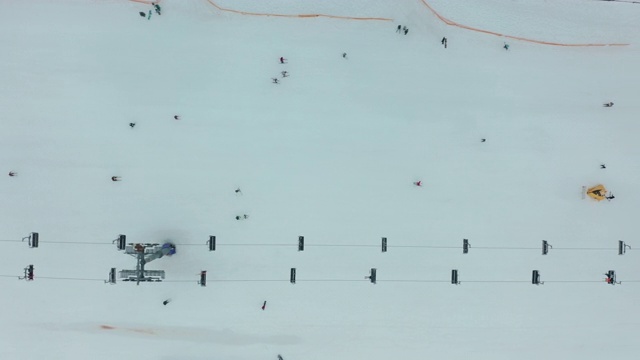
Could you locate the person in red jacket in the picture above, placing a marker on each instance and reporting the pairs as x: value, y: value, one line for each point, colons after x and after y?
x: 418, y: 183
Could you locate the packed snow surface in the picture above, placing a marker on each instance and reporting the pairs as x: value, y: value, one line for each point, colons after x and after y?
x: 330, y: 153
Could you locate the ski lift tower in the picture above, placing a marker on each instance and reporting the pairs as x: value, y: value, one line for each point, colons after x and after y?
x: 145, y: 253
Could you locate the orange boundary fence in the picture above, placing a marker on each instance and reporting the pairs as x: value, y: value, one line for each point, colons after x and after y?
x: 147, y: 1
x: 453, y: 23
x: 297, y: 16
x: 433, y: 11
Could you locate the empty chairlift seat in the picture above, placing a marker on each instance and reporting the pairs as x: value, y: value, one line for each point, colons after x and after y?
x: 535, y: 277
x: 203, y: 278
x: 454, y: 277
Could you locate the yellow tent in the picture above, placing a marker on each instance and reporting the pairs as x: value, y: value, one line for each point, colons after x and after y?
x: 597, y: 192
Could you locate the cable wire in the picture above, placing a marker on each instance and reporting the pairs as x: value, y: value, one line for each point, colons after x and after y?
x: 322, y: 280
x: 347, y: 245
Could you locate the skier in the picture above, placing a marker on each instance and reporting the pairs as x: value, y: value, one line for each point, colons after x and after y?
x: 157, y: 7
x: 149, y: 18
x: 284, y: 74
x: 506, y: 46
x: 275, y: 80
x: 483, y: 140
x: 12, y: 174
x: 602, y: 166
x: 166, y: 302
x: 444, y: 42
x: 264, y: 305
x: 176, y: 117
x: 280, y: 357
x: 115, y: 178
x: 238, y: 191
x: 142, y: 14
x: 610, y: 197
x: 399, y: 28
x: 406, y: 31
x: 245, y: 216
x: 417, y: 183
x: 609, y: 104
x: 132, y: 125
x: 344, y: 55
x: 282, y: 60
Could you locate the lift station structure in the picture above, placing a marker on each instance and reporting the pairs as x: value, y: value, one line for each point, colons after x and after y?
x: 144, y: 254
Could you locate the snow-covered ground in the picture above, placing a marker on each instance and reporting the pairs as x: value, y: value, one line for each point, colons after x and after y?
x: 330, y: 154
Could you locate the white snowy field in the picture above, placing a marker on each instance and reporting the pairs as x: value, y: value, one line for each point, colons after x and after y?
x: 330, y: 153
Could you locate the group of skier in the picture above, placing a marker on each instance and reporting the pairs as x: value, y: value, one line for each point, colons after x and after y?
x: 284, y: 73
x: 157, y: 9
x: 402, y: 29
x: 243, y: 216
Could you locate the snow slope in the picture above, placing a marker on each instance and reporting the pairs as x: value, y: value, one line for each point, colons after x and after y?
x: 330, y: 153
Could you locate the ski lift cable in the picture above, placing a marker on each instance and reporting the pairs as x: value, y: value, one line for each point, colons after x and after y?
x: 503, y: 248
x: 343, y: 245
x: 397, y: 246
x: 330, y: 280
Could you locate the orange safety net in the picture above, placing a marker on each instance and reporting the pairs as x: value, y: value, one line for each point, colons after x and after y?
x: 298, y: 15
x: 453, y: 23
x: 147, y: 2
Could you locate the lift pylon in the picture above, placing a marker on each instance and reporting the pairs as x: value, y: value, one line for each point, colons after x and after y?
x: 145, y: 253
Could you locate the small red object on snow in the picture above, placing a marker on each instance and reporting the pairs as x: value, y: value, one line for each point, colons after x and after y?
x: 418, y: 183
x: 264, y: 305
